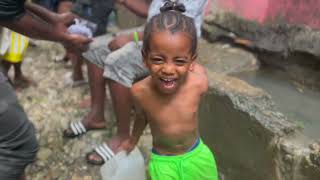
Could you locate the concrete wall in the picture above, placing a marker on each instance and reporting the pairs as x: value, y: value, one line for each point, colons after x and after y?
x: 241, y: 126
x: 251, y: 140
x: 305, y: 12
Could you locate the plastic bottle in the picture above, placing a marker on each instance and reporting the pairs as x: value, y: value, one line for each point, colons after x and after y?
x: 124, y: 167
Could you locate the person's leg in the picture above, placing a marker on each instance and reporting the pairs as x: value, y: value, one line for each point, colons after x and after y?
x: 94, y: 59
x: 20, y: 80
x: 122, y: 67
x: 95, y: 118
x: 76, y: 59
x: 20, y: 146
x: 97, y: 83
x: 122, y: 104
x: 6, y: 67
x: 77, y: 62
x: 121, y: 99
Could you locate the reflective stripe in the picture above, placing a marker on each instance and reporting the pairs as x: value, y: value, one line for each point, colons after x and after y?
x: 101, y: 154
x: 82, y: 128
x: 74, y: 129
x: 108, y: 149
x: 17, y: 47
x: 19, y: 42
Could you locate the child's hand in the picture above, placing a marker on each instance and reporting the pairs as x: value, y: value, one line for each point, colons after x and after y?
x: 119, y: 41
x: 128, y: 144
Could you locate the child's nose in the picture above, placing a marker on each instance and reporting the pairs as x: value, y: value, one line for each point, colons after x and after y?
x: 168, y: 69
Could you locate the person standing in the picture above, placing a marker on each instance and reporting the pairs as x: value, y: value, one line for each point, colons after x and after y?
x: 18, y: 143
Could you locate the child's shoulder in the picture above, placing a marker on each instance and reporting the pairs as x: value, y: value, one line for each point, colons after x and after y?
x: 199, y: 77
x: 141, y: 87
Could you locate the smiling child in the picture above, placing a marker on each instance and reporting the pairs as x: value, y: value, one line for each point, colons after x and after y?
x: 169, y: 99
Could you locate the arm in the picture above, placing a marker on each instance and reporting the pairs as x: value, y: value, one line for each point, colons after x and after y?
x: 55, y: 29
x: 204, y: 81
x: 139, y: 7
x: 39, y: 11
x: 140, y: 123
x: 34, y: 28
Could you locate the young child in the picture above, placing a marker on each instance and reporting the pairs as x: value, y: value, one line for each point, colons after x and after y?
x: 13, y: 58
x: 121, y: 68
x: 169, y: 98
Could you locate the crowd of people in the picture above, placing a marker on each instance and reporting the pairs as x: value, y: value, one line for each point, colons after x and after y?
x: 151, y: 69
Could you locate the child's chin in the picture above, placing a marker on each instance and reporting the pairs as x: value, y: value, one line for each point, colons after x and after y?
x: 166, y: 90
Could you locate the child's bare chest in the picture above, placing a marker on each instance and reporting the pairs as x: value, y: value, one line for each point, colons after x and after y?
x: 179, y: 108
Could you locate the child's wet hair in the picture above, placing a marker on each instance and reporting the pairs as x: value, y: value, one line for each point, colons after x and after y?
x: 170, y: 19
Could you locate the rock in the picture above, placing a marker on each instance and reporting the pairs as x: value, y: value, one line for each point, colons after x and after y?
x: 288, y: 158
x: 315, y: 158
x: 78, y: 147
x: 315, y: 147
x: 44, y: 154
x: 76, y: 177
x: 87, y: 178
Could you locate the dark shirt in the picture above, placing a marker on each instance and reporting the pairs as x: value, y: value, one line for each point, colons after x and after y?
x: 11, y: 9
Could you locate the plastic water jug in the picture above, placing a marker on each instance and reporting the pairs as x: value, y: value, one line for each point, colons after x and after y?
x: 124, y: 167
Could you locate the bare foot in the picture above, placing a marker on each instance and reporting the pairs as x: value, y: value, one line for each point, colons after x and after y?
x: 23, y: 82
x: 90, y: 122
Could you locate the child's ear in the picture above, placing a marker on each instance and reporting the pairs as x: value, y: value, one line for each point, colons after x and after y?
x: 144, y: 57
x: 193, y: 59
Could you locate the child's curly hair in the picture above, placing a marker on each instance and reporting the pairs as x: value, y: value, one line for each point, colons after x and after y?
x: 170, y: 19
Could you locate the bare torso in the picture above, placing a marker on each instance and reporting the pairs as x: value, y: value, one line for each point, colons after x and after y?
x: 173, y: 119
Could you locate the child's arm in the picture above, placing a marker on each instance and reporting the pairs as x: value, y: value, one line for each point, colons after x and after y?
x: 140, y: 123
x: 203, y: 81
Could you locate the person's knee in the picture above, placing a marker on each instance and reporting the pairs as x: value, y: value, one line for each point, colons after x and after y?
x: 31, y: 147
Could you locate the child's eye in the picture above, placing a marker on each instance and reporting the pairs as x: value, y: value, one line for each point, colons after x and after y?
x: 180, y: 62
x: 156, y: 60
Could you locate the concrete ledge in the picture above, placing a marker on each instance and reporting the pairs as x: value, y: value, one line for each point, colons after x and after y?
x: 250, y: 138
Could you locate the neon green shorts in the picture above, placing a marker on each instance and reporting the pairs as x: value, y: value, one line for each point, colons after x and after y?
x: 198, y: 164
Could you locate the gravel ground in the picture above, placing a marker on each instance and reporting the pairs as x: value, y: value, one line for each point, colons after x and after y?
x: 50, y: 106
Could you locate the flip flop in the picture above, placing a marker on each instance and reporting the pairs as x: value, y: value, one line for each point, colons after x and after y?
x: 103, y: 152
x: 77, y: 128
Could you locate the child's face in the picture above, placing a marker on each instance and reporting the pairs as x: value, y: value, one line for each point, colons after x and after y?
x: 169, y: 60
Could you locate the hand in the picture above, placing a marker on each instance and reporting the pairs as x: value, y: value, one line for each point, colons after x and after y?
x: 119, y: 42
x: 76, y: 43
x: 65, y: 19
x: 128, y: 144
x: 61, y: 22
x: 72, y: 42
